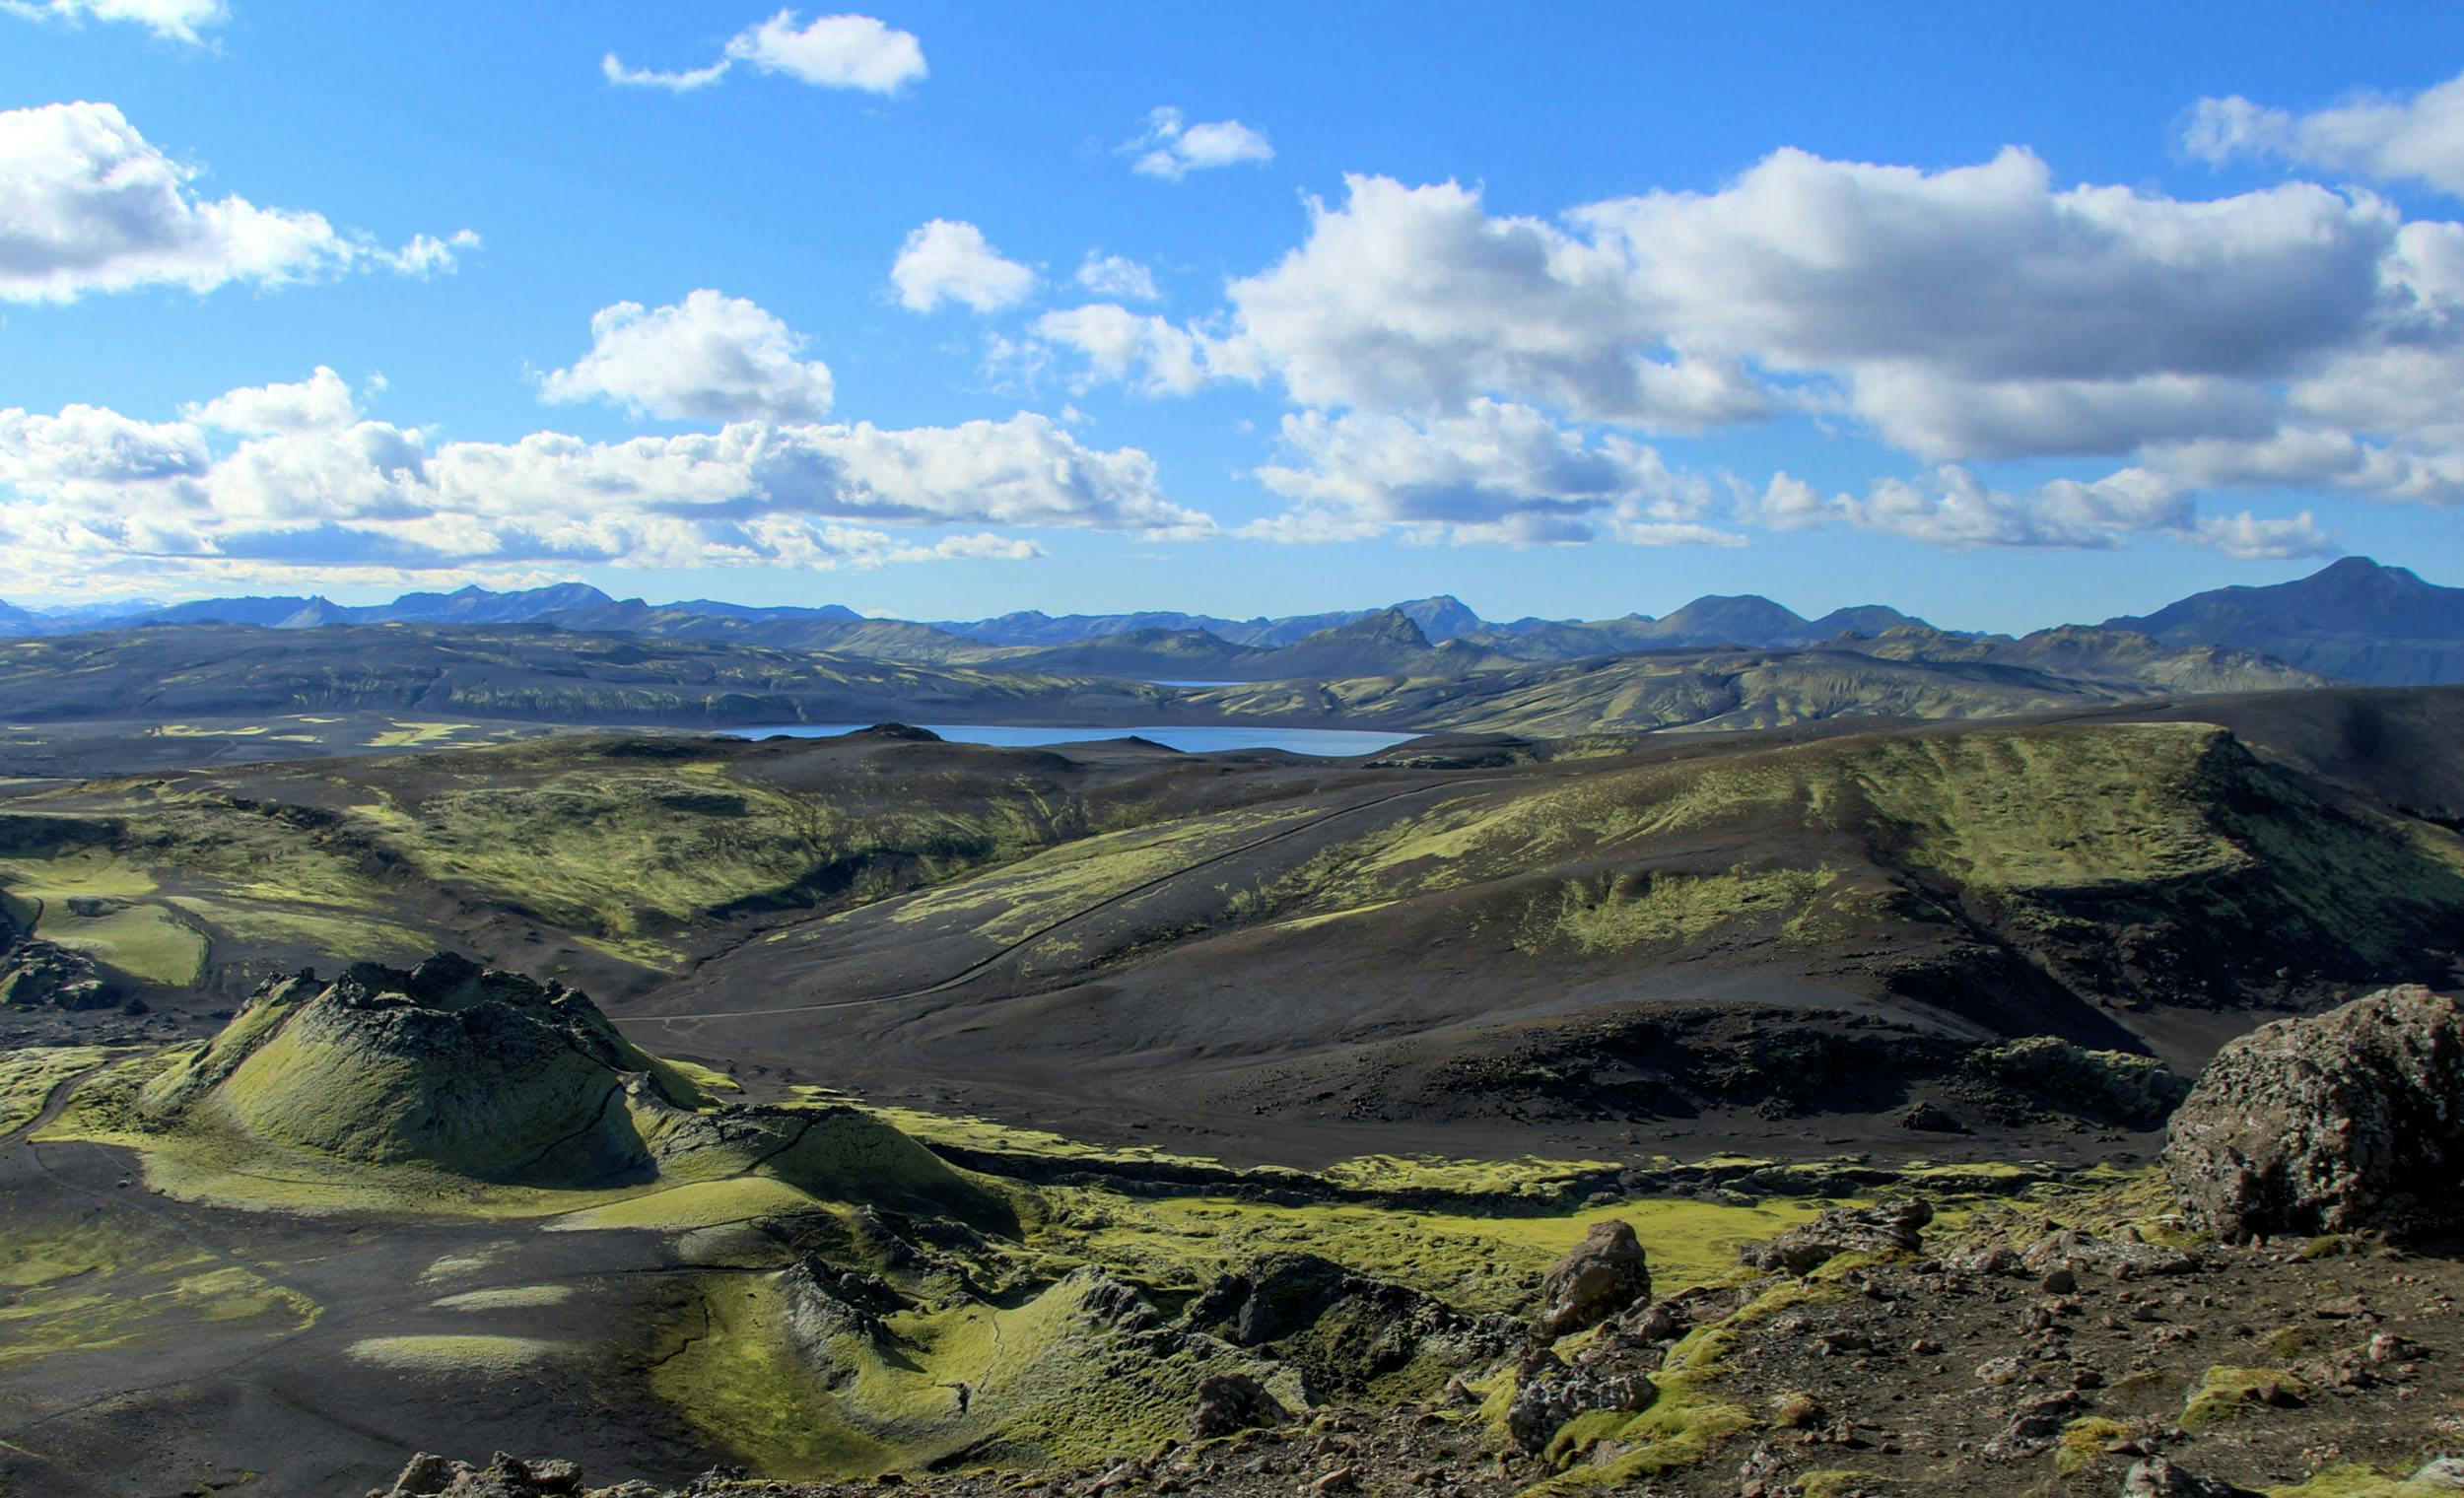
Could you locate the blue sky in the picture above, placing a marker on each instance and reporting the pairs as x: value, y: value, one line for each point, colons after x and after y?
x: 2007, y: 315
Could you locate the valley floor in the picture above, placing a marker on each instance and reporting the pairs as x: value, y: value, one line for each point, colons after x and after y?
x: 1115, y: 1024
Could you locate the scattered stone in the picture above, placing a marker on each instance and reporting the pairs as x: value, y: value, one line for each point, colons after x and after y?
x: 2081, y: 1251
x: 2034, y: 1425
x: 1762, y: 1475
x: 1358, y: 1327
x: 426, y: 1476
x: 425, y: 1473
x: 1798, y: 1411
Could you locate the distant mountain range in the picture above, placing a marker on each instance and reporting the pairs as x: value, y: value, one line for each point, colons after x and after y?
x: 2355, y: 621
x: 2352, y: 620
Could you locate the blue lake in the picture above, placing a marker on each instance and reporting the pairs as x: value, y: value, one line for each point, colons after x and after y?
x: 1199, y: 740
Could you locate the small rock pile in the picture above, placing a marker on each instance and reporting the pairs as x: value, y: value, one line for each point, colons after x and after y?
x: 428, y: 1475
x: 1887, y: 1227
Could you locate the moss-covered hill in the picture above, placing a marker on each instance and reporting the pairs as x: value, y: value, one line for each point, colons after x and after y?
x: 227, y: 682
x: 1722, y: 689
x: 456, y: 1202
x: 514, y: 672
x: 1829, y: 926
x: 1476, y: 930
x: 622, y: 857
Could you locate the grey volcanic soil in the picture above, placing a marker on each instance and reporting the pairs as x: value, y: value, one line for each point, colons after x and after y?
x: 287, y: 1407
x: 1145, y: 1015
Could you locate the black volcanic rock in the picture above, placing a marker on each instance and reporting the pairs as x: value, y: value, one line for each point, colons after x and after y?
x: 36, y: 974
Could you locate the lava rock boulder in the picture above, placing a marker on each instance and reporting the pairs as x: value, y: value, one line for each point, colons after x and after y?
x: 2348, y: 1121
x: 1601, y: 1276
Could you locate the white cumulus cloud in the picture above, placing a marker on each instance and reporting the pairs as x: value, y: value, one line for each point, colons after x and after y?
x: 87, y: 205
x: 1146, y: 352
x: 1171, y: 148
x: 170, y: 20
x: 1952, y: 508
x: 1416, y: 299
x: 1118, y: 277
x: 1499, y: 472
x: 320, y: 402
x: 708, y: 358
x: 949, y: 260
x: 2384, y: 138
x: 2295, y: 335
x: 830, y: 52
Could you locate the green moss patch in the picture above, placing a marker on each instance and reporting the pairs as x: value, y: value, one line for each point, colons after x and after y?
x: 1059, y: 1379
x: 2225, y: 1393
x: 95, y: 1281
x: 511, y: 1298
x: 2354, y: 1480
x: 463, y: 1356
x: 29, y: 1076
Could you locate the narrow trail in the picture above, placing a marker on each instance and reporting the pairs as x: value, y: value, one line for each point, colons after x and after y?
x: 1014, y: 948
x: 54, y: 1104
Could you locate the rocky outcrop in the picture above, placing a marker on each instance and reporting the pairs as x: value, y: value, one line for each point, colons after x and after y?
x: 2136, y: 1091
x: 1598, y: 1277
x: 825, y: 1304
x: 1886, y: 1227
x: 426, y: 1476
x: 1549, y: 1392
x: 38, y: 974
x: 1231, y: 1402
x: 2352, y: 1120
x: 1341, y: 1330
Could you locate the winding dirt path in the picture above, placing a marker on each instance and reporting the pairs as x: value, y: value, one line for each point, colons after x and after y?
x: 54, y: 1104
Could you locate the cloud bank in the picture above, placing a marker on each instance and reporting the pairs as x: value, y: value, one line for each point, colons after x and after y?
x: 296, y: 480
x: 2295, y: 336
